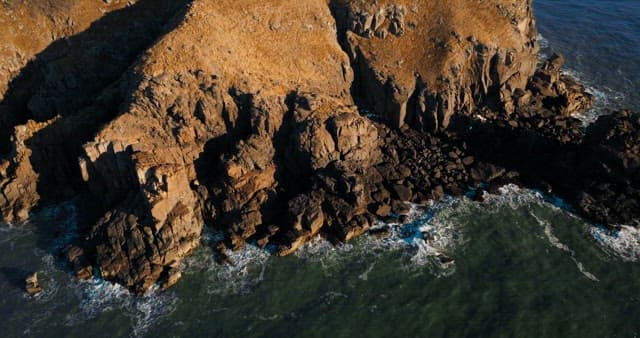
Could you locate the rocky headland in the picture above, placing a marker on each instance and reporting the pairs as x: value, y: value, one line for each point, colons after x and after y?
x: 273, y: 122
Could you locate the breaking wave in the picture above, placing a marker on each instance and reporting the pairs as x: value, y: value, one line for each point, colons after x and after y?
x: 429, y: 238
x: 623, y: 243
x: 97, y: 296
x: 244, y: 270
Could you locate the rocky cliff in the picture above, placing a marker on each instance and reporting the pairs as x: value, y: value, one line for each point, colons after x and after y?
x: 273, y: 122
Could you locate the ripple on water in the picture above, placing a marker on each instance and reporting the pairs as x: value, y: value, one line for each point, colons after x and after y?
x: 432, y: 232
x: 95, y: 296
x: 623, y: 242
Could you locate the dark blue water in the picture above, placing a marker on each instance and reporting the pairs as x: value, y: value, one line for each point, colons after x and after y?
x: 600, y: 40
x: 524, y: 266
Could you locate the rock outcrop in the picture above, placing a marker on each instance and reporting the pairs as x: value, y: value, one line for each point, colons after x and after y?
x: 205, y: 134
x: 273, y: 122
x: 65, y: 85
x: 421, y: 63
x: 32, y: 286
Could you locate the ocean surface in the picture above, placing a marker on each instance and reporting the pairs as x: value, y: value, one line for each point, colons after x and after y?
x: 525, y: 266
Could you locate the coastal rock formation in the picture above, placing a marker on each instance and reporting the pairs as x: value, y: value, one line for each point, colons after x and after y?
x: 611, y: 170
x: 203, y: 136
x: 421, y: 63
x: 274, y: 122
x: 65, y: 83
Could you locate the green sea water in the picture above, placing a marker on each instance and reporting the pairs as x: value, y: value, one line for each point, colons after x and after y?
x: 523, y: 267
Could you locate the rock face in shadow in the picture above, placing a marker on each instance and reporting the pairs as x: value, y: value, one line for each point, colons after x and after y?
x: 275, y: 122
x: 31, y: 26
x: 153, y: 166
x: 67, y: 86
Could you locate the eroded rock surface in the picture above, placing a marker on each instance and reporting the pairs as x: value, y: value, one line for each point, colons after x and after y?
x: 419, y: 63
x: 216, y: 122
x: 273, y: 122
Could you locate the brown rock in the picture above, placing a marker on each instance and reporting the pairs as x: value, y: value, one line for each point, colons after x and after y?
x: 79, y: 262
x: 437, y: 193
x: 402, y: 192
x: 381, y: 232
x: 425, y: 86
x: 467, y: 161
x: 32, y: 286
x: 383, y: 210
x: 400, y: 208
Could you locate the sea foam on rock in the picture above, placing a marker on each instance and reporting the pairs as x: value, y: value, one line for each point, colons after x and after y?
x: 623, y: 242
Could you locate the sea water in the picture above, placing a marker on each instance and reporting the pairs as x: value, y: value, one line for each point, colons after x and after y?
x: 522, y: 263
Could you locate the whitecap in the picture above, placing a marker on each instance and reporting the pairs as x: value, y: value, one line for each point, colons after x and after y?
x: 623, y: 243
x: 544, y: 46
x: 98, y: 296
x: 245, y: 268
x: 605, y: 98
x: 365, y: 275
x: 511, y: 196
x: 429, y: 236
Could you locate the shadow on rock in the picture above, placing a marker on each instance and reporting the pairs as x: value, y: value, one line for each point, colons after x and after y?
x: 61, y: 98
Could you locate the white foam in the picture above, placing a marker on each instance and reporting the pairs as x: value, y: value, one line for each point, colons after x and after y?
x: 365, y: 275
x: 623, y: 243
x: 544, y: 44
x: 515, y: 197
x: 555, y: 241
x: 320, y: 250
x: 605, y: 97
x: 245, y: 269
x: 429, y: 235
x: 511, y: 196
x: 97, y: 296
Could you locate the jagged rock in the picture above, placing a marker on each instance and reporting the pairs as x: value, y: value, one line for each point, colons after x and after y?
x: 142, y: 162
x: 64, y: 83
x: 79, y: 262
x: 32, y: 286
x: 18, y: 179
x: 381, y: 232
x: 402, y: 192
x: 558, y: 91
x: 425, y: 75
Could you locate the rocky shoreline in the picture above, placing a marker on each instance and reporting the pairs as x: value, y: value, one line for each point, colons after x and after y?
x: 286, y: 122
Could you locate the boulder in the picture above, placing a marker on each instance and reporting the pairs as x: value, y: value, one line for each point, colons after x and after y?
x: 32, y: 286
